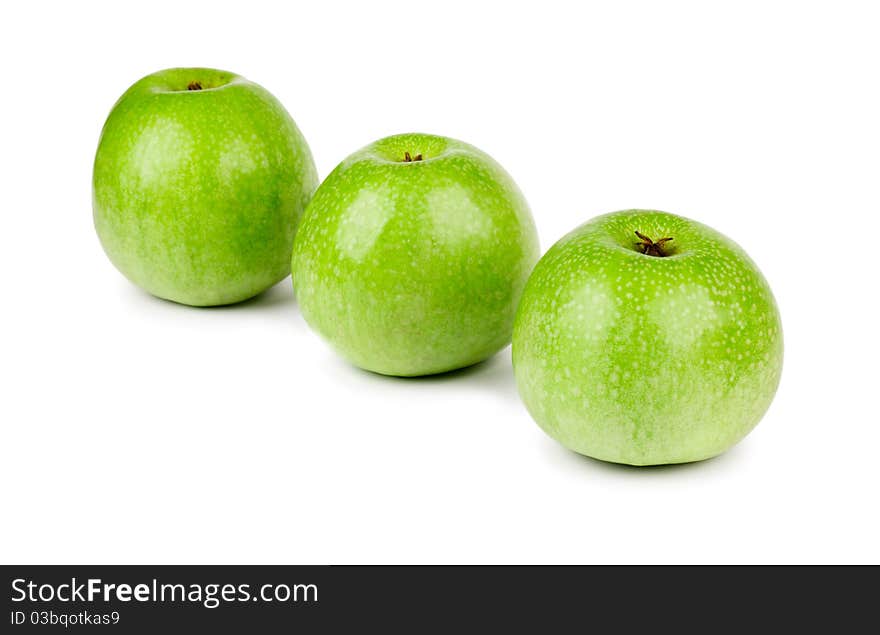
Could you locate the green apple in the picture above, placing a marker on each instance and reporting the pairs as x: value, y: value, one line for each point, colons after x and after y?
x: 647, y: 338
x: 413, y: 254
x: 200, y: 180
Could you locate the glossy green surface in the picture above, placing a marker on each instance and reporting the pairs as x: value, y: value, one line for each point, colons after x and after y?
x: 413, y: 268
x: 639, y: 359
x: 199, y: 182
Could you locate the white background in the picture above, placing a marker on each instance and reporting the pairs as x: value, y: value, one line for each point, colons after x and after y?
x: 139, y: 431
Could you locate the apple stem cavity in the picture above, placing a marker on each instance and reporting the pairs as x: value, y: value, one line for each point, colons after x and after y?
x: 650, y: 247
x: 408, y: 158
x: 194, y: 85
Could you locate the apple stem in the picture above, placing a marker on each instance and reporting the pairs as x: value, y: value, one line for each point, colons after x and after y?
x: 194, y: 85
x: 408, y: 158
x: 650, y: 247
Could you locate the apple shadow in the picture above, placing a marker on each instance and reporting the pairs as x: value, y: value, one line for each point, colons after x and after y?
x: 278, y: 295
x: 494, y: 374
x: 570, y: 457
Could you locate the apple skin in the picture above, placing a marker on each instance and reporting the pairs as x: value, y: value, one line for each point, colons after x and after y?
x: 197, y: 192
x: 640, y: 359
x: 415, y: 267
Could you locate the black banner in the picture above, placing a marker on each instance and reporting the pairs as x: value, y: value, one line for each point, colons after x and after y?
x: 260, y: 599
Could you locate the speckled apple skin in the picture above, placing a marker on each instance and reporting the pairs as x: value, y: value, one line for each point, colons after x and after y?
x: 415, y: 268
x: 645, y: 360
x: 197, y: 193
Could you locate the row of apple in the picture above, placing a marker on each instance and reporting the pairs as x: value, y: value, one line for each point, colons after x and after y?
x: 641, y: 337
